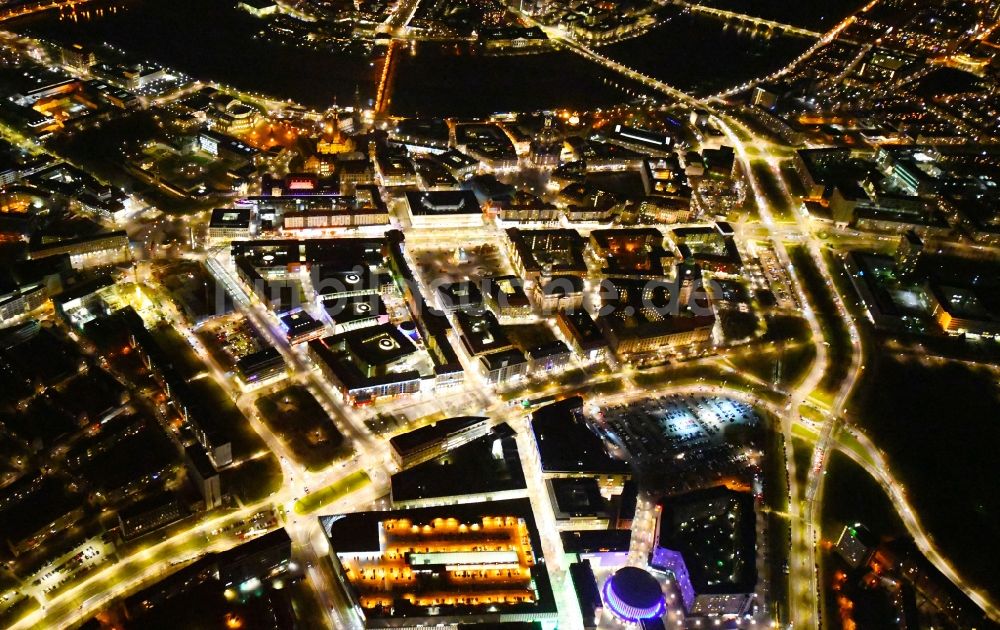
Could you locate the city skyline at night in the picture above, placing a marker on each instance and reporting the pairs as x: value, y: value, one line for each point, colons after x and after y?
x: 500, y: 314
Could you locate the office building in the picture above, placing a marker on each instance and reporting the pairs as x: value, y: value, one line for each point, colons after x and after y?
x: 711, y: 247
x: 636, y: 252
x: 227, y: 224
x: 259, y: 559
x: 536, y: 253
x: 300, y: 327
x: 504, y: 367
x: 855, y: 544
x: 460, y: 165
x: 588, y: 595
x: 88, y: 251
x: 523, y: 207
x: 554, y: 355
x: 646, y: 318
x: 463, y: 295
x: 149, y: 514
x: 487, y: 468
x: 961, y: 311
x: 481, y: 333
x: 367, y: 364
x: 642, y: 140
x: 584, y: 335
x: 261, y: 366
x: 706, y: 540
x: 358, y: 311
x: 577, y: 503
x: 909, y: 251
x: 21, y: 301
x: 417, y: 446
x: 559, y: 293
x: 204, y: 476
x: 505, y: 296
x: 568, y: 447
x: 443, y: 208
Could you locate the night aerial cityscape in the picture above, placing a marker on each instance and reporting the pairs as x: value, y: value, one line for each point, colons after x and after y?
x: 499, y: 314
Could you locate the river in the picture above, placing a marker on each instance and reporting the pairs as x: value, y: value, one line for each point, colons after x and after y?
x: 212, y: 39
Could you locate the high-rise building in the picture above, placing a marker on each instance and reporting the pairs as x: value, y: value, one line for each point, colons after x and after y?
x: 908, y: 253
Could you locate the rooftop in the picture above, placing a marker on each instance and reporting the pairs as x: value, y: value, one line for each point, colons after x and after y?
x: 299, y: 323
x: 556, y: 250
x: 563, y: 285
x: 230, y: 218
x: 577, y: 497
x: 454, y: 579
x: 418, y: 439
x: 481, y: 332
x: 464, y: 294
x: 566, y: 443
x: 596, y: 540
x: 486, y: 465
x: 442, y: 202
x: 378, y: 345
x: 630, y: 251
x: 502, y: 359
x: 714, y: 530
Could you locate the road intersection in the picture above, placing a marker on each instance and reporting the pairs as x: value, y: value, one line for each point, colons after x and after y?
x: 151, y: 563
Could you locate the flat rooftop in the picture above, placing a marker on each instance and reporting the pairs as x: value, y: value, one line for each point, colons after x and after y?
x: 481, y: 332
x: 418, y: 439
x: 563, y: 285
x: 464, y: 294
x: 486, y: 465
x: 714, y: 530
x: 962, y: 302
x: 429, y: 566
x: 442, y: 202
x: 576, y: 498
x: 230, y: 218
x: 378, y: 345
x: 299, y: 323
x: 596, y: 540
x: 567, y: 444
x: 646, y: 309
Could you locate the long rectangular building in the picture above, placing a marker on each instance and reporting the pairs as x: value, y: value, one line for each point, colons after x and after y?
x: 485, y: 469
x: 88, y: 251
x: 411, y: 448
x: 476, y: 563
x: 216, y: 441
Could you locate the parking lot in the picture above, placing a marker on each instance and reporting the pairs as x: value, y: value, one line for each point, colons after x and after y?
x: 84, y: 557
x: 706, y: 438
x: 775, y: 276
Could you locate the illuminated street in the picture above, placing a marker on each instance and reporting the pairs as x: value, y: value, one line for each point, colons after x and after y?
x: 425, y: 314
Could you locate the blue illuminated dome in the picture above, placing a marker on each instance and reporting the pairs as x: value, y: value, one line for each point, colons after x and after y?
x: 633, y: 594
